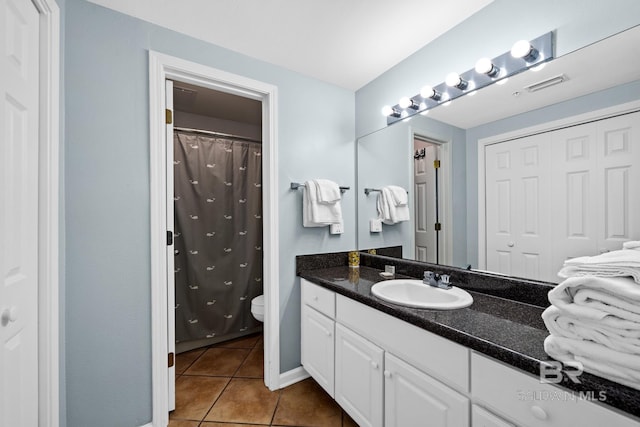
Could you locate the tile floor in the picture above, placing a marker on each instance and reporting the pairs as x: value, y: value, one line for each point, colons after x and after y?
x: 222, y: 386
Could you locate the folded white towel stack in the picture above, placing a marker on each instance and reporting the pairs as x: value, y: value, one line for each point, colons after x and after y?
x: 624, y: 262
x: 321, y: 203
x: 594, y: 317
x: 393, y: 204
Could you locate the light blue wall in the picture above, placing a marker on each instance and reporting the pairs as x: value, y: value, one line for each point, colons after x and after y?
x: 107, y: 333
x: 491, y: 32
x: 592, y: 102
x: 386, y: 157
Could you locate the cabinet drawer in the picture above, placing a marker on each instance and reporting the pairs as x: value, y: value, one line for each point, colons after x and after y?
x: 480, y: 417
x: 319, y: 298
x: 439, y: 357
x: 523, y: 399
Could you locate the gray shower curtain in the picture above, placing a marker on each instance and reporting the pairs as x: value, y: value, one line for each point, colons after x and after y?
x: 218, y: 235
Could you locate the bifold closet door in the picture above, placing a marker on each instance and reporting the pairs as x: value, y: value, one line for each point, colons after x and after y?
x: 562, y: 194
x: 517, y: 207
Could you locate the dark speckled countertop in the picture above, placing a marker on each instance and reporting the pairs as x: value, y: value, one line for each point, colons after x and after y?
x: 508, y: 330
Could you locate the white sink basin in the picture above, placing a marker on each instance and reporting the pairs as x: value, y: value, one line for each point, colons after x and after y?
x: 414, y: 293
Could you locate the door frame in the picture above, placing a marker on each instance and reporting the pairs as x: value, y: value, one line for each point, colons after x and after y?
x: 446, y: 212
x: 162, y: 67
x: 48, y: 215
x: 590, y: 116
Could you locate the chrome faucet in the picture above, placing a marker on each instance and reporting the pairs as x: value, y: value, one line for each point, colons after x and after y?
x: 436, y: 280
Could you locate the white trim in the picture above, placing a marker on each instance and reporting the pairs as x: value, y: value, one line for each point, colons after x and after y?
x: 591, y: 116
x: 293, y: 376
x: 446, y: 189
x: 162, y: 67
x: 48, y: 215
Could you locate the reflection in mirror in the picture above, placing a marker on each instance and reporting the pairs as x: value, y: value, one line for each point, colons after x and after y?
x: 458, y: 135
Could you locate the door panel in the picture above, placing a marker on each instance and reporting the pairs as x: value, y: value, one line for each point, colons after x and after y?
x: 171, y: 282
x: 517, y: 213
x: 425, y: 195
x: 19, y: 125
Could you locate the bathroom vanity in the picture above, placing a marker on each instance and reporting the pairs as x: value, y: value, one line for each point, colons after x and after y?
x: 390, y: 365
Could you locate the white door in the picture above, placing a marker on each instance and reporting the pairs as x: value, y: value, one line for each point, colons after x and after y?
x: 618, y: 183
x: 317, y: 347
x: 413, y: 398
x: 19, y: 76
x: 358, y: 377
x: 425, y: 195
x: 574, y: 197
x: 518, y: 207
x: 171, y: 293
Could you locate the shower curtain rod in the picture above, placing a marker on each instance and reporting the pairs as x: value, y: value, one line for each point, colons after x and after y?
x: 223, y: 135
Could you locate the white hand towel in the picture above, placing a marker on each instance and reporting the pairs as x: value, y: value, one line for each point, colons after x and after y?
x: 563, y: 325
x: 610, y: 264
x: 614, y: 300
x: 327, y: 191
x: 316, y: 214
x: 388, y: 212
x: 596, y: 359
x: 399, y: 195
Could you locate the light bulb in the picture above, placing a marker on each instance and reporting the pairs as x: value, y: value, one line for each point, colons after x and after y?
x: 387, y: 110
x: 485, y: 66
x: 429, y: 92
x: 405, y: 102
x: 454, y: 80
x: 523, y: 49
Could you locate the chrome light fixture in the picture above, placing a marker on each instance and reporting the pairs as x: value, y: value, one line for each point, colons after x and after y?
x: 522, y: 56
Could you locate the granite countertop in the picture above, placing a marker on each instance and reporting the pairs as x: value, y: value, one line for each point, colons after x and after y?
x: 510, y: 331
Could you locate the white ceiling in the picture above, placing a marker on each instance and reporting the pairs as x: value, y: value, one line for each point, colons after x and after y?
x: 344, y: 42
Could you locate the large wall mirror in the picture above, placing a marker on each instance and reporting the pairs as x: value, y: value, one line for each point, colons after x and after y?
x: 601, y: 77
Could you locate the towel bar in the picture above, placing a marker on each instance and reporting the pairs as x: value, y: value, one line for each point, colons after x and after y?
x: 371, y: 190
x: 296, y: 185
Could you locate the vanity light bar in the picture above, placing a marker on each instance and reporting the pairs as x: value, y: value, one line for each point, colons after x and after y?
x: 540, y: 50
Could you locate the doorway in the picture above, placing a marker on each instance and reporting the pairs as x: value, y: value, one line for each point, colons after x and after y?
x: 427, y: 194
x: 163, y: 68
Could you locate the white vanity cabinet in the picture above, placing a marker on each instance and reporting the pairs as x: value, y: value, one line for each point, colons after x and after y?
x: 318, y: 326
x: 358, y: 377
x: 413, y: 398
x: 480, y: 417
x: 523, y: 399
x: 386, y: 372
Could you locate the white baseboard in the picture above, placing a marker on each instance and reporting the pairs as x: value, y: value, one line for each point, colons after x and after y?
x: 293, y: 376
x: 148, y: 425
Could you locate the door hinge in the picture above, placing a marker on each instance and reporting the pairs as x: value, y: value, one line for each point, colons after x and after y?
x: 169, y: 238
x: 436, y: 164
x: 171, y: 360
x: 438, y: 226
x: 168, y: 116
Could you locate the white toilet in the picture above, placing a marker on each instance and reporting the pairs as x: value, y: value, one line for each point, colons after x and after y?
x: 257, y: 308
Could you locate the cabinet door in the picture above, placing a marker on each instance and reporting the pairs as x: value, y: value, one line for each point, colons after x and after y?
x: 480, y: 417
x: 359, y: 377
x: 317, y: 350
x: 412, y: 398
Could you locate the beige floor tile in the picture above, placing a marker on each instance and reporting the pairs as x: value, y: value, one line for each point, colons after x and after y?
x: 184, y: 360
x: 347, y: 421
x: 306, y: 404
x: 248, y: 341
x: 195, y: 395
x: 183, y: 423
x: 209, y: 424
x: 218, y: 362
x: 245, y: 400
x: 253, y: 366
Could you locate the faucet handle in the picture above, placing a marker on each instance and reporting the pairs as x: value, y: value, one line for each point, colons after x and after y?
x: 429, y: 275
x: 444, y: 278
